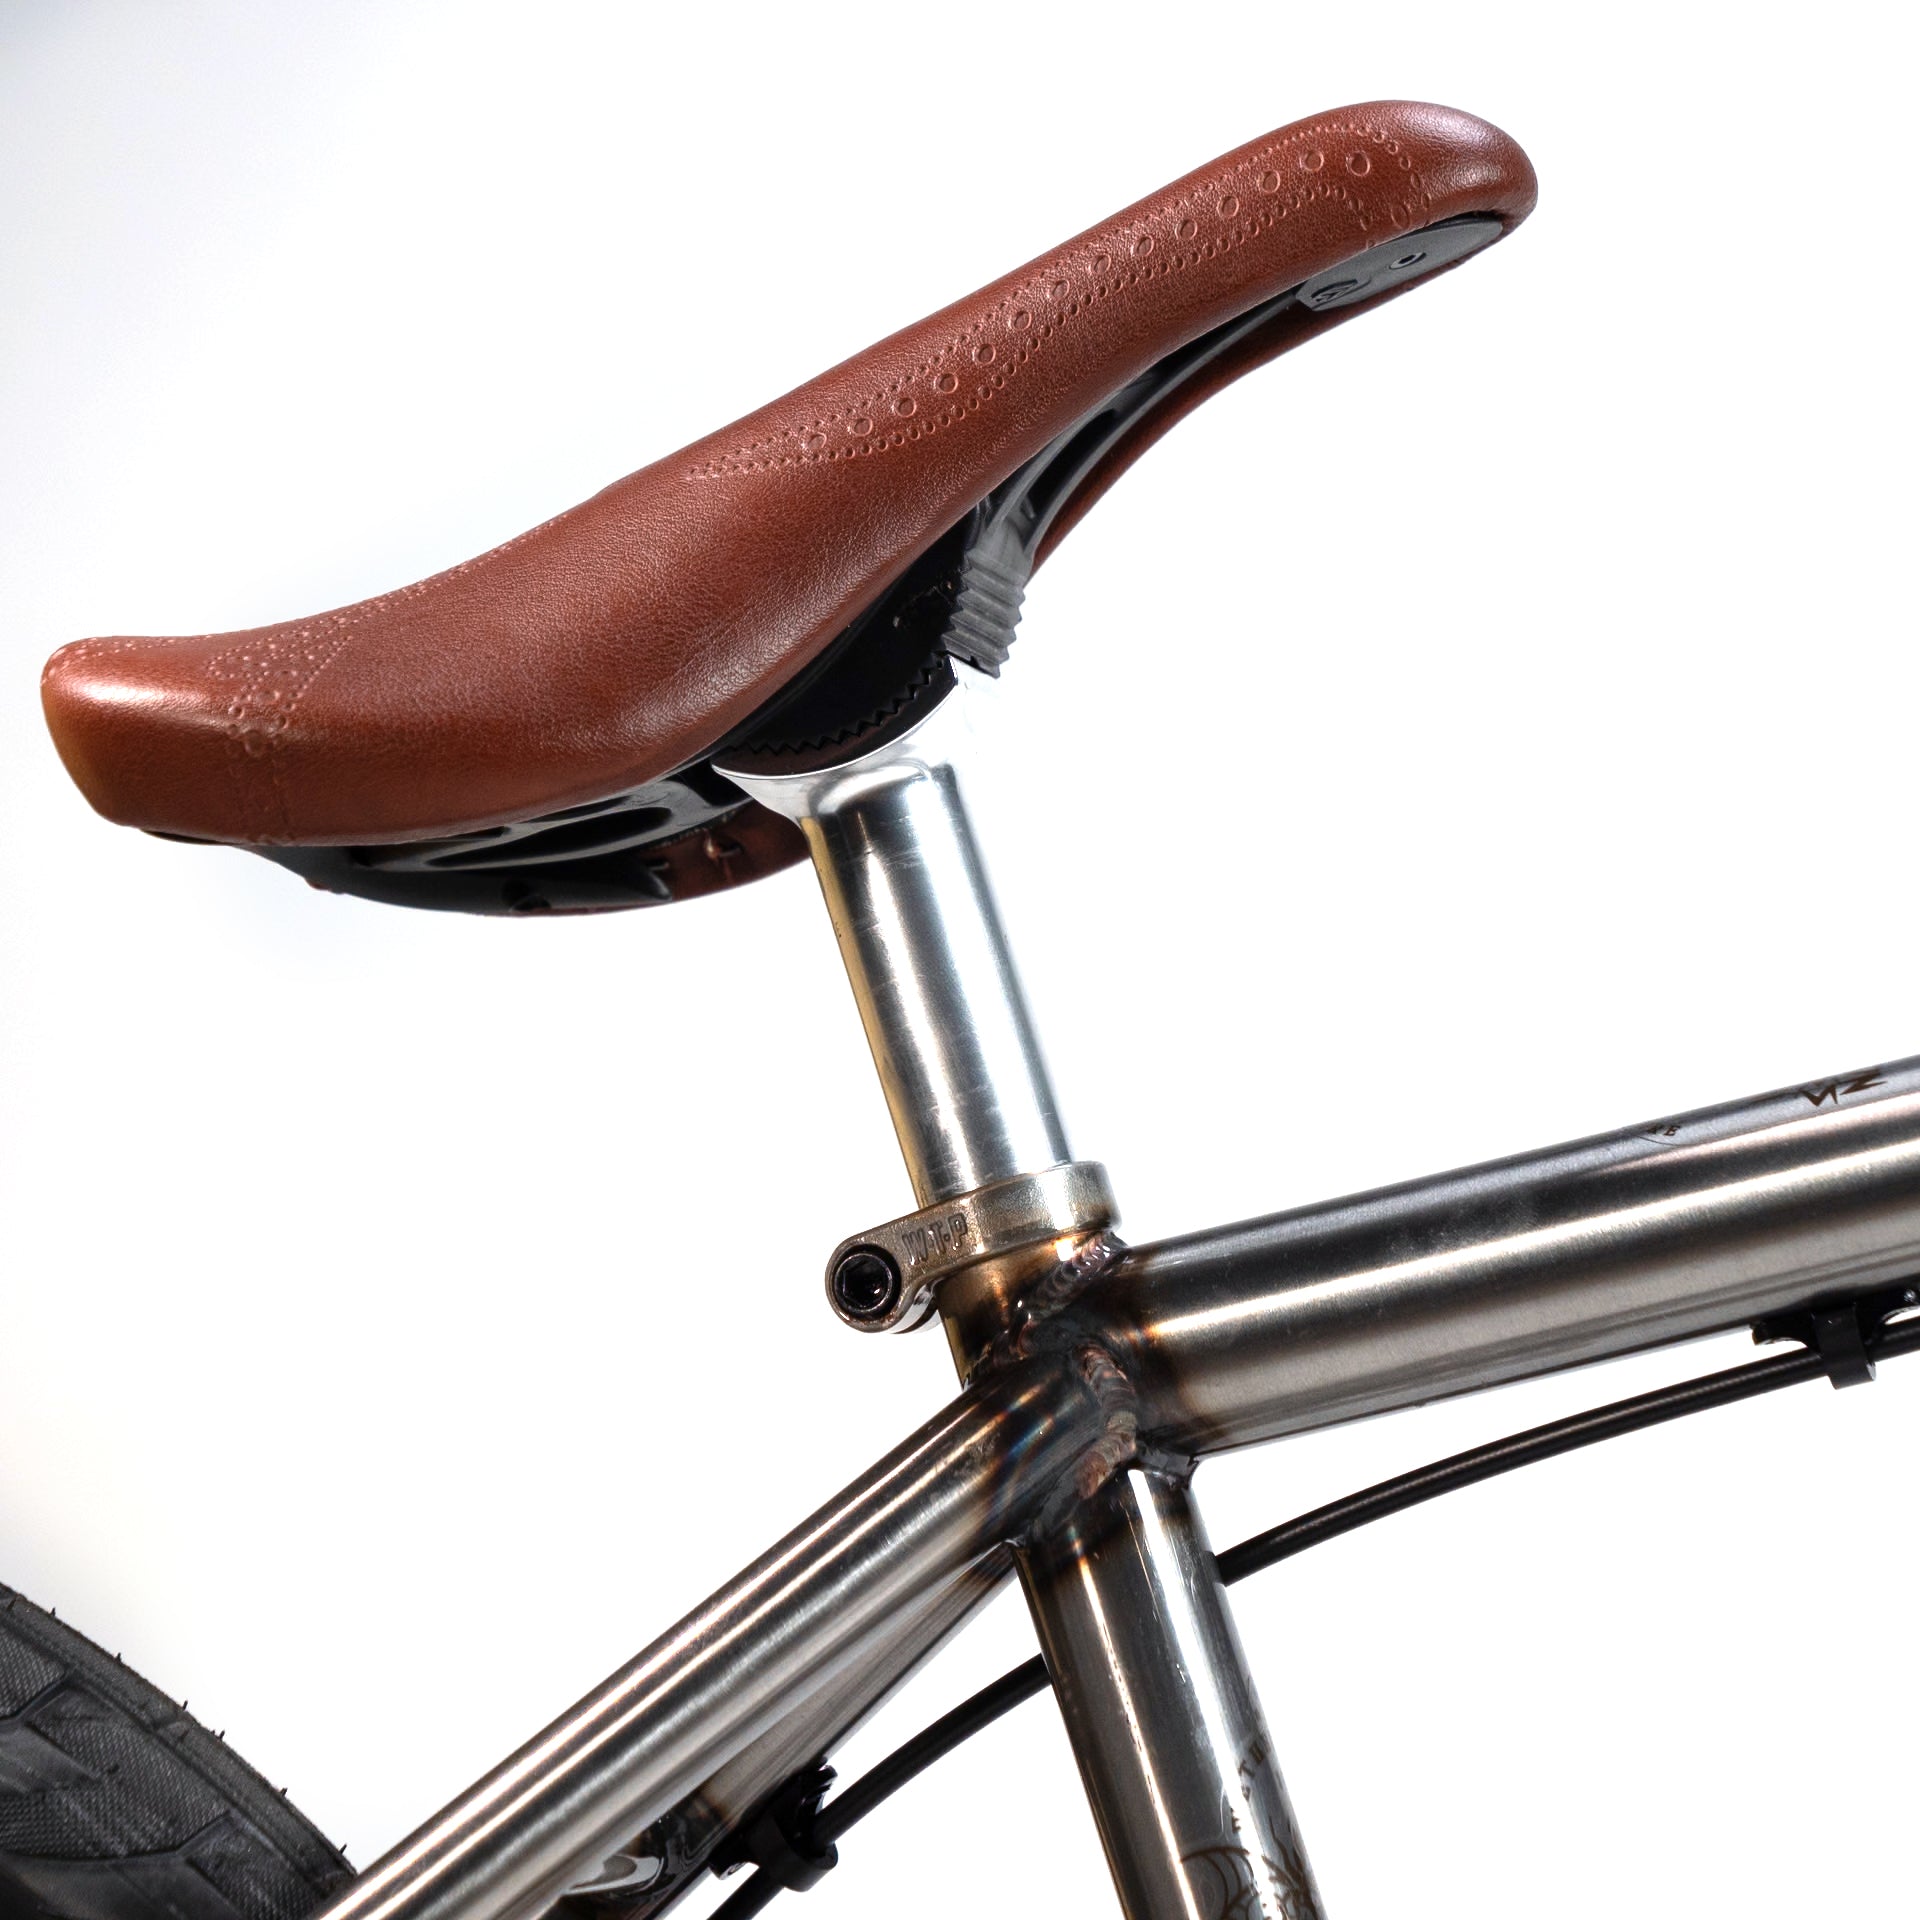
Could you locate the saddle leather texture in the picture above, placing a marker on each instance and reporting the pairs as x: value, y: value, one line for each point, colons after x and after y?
x: 628, y: 636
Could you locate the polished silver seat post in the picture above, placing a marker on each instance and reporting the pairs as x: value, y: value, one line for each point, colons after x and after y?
x: 1094, y: 1374
x: 1132, y: 1617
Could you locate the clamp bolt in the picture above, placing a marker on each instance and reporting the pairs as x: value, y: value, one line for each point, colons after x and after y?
x: 866, y: 1284
x: 883, y: 1280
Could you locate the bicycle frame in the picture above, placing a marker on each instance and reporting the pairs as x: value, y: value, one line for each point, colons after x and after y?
x: 1097, y: 1375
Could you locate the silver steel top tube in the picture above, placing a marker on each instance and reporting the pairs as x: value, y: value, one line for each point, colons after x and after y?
x: 915, y: 918
x: 1694, y: 1224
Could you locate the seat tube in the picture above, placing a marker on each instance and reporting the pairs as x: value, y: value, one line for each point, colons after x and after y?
x: 1161, y: 1711
x: 1147, y: 1668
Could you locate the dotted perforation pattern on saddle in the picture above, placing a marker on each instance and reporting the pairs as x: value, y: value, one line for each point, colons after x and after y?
x: 629, y: 637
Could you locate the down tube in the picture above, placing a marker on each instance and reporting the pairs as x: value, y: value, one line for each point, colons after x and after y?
x: 966, y: 1482
x: 680, y: 1845
x: 1687, y: 1225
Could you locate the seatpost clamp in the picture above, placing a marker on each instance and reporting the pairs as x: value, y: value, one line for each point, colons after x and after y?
x: 883, y: 1280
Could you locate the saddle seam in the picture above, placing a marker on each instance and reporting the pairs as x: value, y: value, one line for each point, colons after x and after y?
x: 1096, y: 260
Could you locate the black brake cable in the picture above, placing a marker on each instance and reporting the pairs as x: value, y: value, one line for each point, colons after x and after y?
x: 1838, y: 1349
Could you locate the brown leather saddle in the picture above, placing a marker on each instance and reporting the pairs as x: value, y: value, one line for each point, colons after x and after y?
x: 538, y: 729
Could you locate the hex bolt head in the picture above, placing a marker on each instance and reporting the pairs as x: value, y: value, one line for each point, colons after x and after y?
x: 866, y: 1284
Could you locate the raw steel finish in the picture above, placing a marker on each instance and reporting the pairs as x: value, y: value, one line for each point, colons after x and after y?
x: 678, y: 1847
x: 1685, y: 1225
x: 1151, y: 1681
x: 1153, y: 1686
x: 729, y: 1672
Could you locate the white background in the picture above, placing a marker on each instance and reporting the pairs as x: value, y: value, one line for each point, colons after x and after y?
x: 1491, y: 726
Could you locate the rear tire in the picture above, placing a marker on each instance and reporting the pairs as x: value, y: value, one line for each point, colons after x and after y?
x: 114, y: 1805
